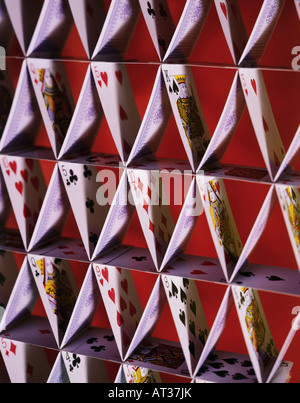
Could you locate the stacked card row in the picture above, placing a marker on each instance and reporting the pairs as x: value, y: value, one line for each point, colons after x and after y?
x: 80, y: 349
x: 43, y: 97
x: 105, y: 28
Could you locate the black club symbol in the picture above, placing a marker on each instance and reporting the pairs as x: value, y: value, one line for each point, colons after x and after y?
x: 90, y: 205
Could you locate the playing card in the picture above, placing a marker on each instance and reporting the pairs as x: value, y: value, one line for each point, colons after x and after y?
x: 86, y: 120
x: 89, y: 17
x: 160, y: 24
x: 191, y: 210
x: 261, y: 32
x: 257, y: 335
x: 117, y: 220
x: 26, y: 188
x: 118, y: 103
x: 85, y: 307
x: 188, y: 315
x: 82, y: 187
x: 153, y: 211
x: 32, y: 359
x: 221, y: 222
x: 54, y: 97
x: 289, y: 199
x: 121, y: 302
x: 23, y: 121
x: 227, y: 125
x: 135, y: 374
x: 154, y: 123
x: 52, y: 29
x: 58, y: 290
x: 188, y: 29
x: 23, y: 19
x: 83, y: 369
x: 233, y: 27
x: 262, y: 118
x: 22, y: 298
x: 187, y: 111
x: 117, y: 30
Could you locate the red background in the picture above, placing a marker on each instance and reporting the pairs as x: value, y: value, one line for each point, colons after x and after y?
x: 213, y: 84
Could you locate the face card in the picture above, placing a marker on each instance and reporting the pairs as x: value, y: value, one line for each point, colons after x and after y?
x: 188, y: 29
x: 187, y: 112
x: 58, y: 290
x: 258, y: 338
x: 188, y: 315
x: 26, y: 188
x: 221, y: 222
x: 54, y: 97
x: 262, y: 118
x: 159, y: 23
x: 121, y: 301
x: 118, y: 103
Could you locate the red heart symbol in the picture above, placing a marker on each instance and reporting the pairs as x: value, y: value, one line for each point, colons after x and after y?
x: 35, y: 182
x: 124, y: 285
x: 223, y: 8
x: 19, y: 187
x: 207, y: 263
x: 13, y: 166
x: 266, y: 127
x: 100, y: 83
x: 104, y: 77
x: 253, y: 83
x: 119, y: 76
x: 123, y: 114
x: 120, y: 319
x: 105, y: 273
x: 198, y: 272
x: 132, y: 309
x: 111, y: 294
x: 26, y: 211
x: 123, y: 304
x: 24, y: 174
x: 29, y: 163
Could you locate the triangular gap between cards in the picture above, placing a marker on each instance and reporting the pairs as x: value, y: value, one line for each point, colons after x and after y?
x: 220, y: 218
x: 114, y: 38
x: 89, y: 18
x: 87, y: 117
x: 24, y: 121
x: 23, y: 20
x: 262, y: 117
x: 52, y: 29
x: 52, y: 88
